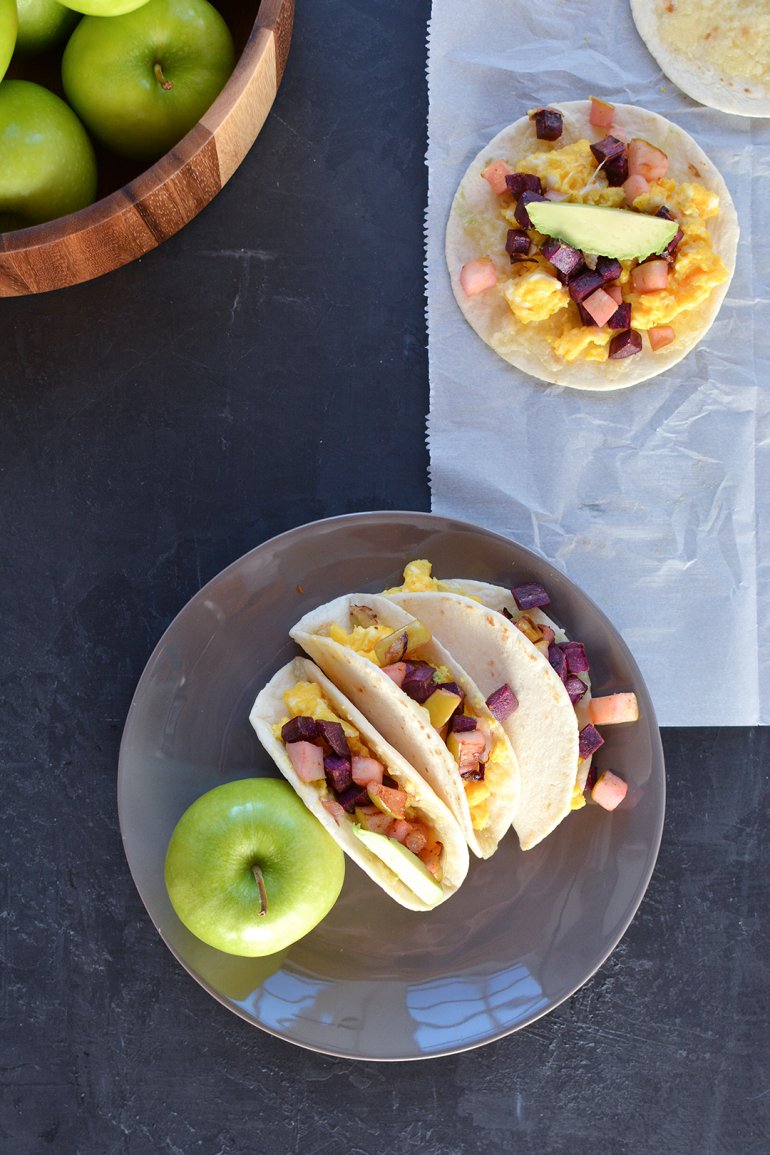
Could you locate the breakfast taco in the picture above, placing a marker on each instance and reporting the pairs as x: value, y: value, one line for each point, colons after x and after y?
x: 423, y: 703
x: 591, y: 244
x: 719, y: 54
x: 504, y: 637
x: 373, y: 803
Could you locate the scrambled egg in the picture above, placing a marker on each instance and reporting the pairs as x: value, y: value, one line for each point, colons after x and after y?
x: 306, y: 700
x: 362, y: 639
x: 417, y: 579
x: 535, y: 295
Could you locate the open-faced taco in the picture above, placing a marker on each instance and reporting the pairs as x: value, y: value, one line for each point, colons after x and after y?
x: 719, y: 54
x: 373, y: 803
x: 500, y: 643
x: 423, y: 703
x: 591, y: 245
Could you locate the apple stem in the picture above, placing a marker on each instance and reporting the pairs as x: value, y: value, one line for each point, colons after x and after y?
x: 167, y: 84
x: 262, y: 892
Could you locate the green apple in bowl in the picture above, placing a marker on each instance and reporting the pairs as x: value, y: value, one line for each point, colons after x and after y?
x: 249, y: 870
x: 48, y: 166
x: 103, y: 7
x: 140, y: 82
x: 42, y: 25
x: 9, y: 23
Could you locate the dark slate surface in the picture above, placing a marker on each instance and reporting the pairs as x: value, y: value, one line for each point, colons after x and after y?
x: 264, y: 368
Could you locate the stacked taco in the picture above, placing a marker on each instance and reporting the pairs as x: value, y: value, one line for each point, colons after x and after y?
x: 432, y: 718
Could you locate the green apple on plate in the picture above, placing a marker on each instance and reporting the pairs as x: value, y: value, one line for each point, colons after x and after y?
x: 42, y: 25
x: 139, y: 82
x: 48, y: 166
x: 249, y: 870
x: 9, y: 23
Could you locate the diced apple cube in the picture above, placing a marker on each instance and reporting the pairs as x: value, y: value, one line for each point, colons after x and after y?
x: 609, y: 790
x: 660, y: 335
x: 601, y: 306
x: 366, y: 770
x: 307, y: 760
x: 477, y: 276
x: 495, y: 173
x: 613, y: 708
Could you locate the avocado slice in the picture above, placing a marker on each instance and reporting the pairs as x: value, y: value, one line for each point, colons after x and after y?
x: 606, y: 232
x: 403, y: 863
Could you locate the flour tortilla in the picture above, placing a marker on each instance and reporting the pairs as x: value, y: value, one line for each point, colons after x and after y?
x: 270, y: 709
x: 544, y: 729
x: 694, y: 57
x: 475, y: 207
x: 403, y: 722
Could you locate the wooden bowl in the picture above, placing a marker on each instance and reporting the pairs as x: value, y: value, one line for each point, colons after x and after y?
x: 139, y: 210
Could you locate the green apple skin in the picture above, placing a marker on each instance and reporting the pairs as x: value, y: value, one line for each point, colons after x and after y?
x: 140, y: 82
x: 49, y: 167
x: 42, y: 25
x: 103, y: 7
x: 9, y: 24
x: 214, y: 848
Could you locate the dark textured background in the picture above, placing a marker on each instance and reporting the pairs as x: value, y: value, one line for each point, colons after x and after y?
x: 266, y: 367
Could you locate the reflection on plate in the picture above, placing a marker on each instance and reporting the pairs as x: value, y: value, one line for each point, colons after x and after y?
x: 376, y: 981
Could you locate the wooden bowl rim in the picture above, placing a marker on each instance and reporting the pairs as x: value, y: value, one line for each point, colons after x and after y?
x: 259, y: 43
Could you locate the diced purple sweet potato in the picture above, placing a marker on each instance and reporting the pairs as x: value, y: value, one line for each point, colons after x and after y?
x: 607, y: 149
x: 625, y: 345
x: 577, y: 660
x: 575, y: 687
x: 549, y: 124
x: 521, y: 182
x: 616, y: 170
x: 562, y: 256
x: 300, y: 729
x: 333, y: 733
x: 558, y: 660
x: 621, y: 318
x: 584, y: 284
x: 530, y: 595
x: 461, y: 723
x: 502, y: 702
x: 521, y: 214
x: 610, y: 268
x: 517, y: 243
x: 589, y: 740
x: 338, y: 772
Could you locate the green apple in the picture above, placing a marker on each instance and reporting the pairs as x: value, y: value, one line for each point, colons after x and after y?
x: 249, y: 870
x: 42, y: 24
x: 9, y: 23
x: 103, y: 7
x: 48, y: 166
x: 140, y: 82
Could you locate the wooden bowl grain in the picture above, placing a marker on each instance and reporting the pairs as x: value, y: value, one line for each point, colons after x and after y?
x: 153, y: 205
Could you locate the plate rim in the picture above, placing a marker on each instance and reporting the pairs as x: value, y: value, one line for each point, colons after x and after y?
x: 657, y: 759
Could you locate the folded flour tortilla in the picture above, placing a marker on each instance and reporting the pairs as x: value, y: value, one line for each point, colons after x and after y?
x: 406, y: 724
x: 467, y: 617
x: 267, y: 714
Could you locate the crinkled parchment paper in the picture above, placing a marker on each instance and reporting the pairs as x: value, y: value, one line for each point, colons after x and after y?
x: 653, y: 499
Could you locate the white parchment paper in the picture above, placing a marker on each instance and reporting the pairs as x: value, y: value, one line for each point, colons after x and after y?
x: 653, y: 499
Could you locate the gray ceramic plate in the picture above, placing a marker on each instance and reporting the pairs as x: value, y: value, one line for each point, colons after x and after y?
x: 375, y: 981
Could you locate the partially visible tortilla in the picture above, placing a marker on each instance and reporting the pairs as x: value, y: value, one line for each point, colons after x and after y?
x: 476, y: 228
x: 544, y: 729
x: 270, y: 709
x: 719, y: 54
x: 406, y: 724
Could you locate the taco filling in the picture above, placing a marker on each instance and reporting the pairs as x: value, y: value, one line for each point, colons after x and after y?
x: 568, y: 658
x: 590, y: 305
x: 353, y: 785
x: 479, y: 754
